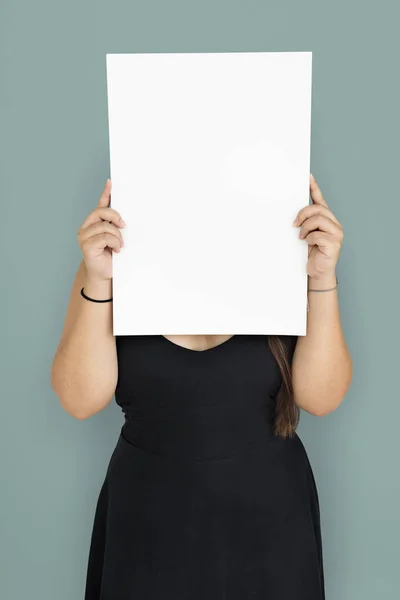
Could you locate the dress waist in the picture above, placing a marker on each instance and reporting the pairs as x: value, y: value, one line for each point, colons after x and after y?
x: 196, y: 435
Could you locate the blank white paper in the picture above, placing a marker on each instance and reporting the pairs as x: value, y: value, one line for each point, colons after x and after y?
x: 210, y: 163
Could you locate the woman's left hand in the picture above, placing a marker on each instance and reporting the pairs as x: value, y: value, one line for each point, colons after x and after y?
x: 322, y: 232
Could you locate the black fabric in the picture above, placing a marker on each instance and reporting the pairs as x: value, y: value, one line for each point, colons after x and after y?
x: 200, y: 501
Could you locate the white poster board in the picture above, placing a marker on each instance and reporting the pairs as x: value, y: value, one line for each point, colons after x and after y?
x: 210, y: 163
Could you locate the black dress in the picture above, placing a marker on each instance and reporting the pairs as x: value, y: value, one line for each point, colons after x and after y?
x: 200, y: 501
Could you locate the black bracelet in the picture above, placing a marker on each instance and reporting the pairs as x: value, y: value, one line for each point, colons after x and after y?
x: 93, y: 299
x: 328, y: 290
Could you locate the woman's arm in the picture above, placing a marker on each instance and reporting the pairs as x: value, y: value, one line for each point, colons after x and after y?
x: 321, y: 366
x: 84, y: 371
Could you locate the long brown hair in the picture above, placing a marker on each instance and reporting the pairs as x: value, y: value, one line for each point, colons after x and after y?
x: 287, y: 413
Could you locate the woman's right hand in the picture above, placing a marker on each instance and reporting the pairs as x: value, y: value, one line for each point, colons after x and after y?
x: 99, y: 237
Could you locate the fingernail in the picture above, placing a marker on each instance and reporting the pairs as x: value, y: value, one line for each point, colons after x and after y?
x: 122, y: 222
x: 312, y: 177
x: 295, y: 222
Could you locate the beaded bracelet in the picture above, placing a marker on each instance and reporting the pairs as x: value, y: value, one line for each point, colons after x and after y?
x: 93, y: 299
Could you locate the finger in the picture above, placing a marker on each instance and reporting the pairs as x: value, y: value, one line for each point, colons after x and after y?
x: 320, y: 239
x: 316, y: 194
x: 314, y: 209
x: 96, y: 228
x: 99, y: 242
x: 319, y: 222
x: 105, y: 196
x: 104, y: 214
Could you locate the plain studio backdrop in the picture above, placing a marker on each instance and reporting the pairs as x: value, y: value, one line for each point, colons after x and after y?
x: 54, y: 163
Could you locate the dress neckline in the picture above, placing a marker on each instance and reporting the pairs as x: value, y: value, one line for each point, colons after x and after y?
x: 192, y: 351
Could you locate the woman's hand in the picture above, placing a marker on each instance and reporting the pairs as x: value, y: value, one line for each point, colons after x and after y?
x: 99, y: 236
x: 322, y: 232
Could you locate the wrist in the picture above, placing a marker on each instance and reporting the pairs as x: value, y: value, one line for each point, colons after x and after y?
x: 98, y: 289
x: 325, y: 282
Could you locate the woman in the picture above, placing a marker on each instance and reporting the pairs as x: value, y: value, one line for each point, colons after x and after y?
x: 209, y: 493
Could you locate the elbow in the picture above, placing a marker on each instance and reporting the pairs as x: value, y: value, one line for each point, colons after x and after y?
x: 324, y: 404
x: 323, y: 400
x: 314, y: 407
x: 317, y: 408
x: 74, y: 411
x: 322, y: 411
x: 66, y: 398
x: 79, y: 417
x: 77, y: 412
x: 77, y: 395
x: 77, y: 409
x: 70, y: 406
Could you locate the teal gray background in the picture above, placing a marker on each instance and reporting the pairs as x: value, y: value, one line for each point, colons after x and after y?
x: 54, y: 163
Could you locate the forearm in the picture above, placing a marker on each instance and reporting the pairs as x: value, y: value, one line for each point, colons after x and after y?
x: 84, y: 370
x: 322, y: 367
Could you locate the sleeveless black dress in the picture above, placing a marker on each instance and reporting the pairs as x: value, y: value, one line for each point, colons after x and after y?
x: 200, y: 501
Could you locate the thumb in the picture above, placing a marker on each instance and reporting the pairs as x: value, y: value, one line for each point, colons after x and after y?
x: 105, y: 197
